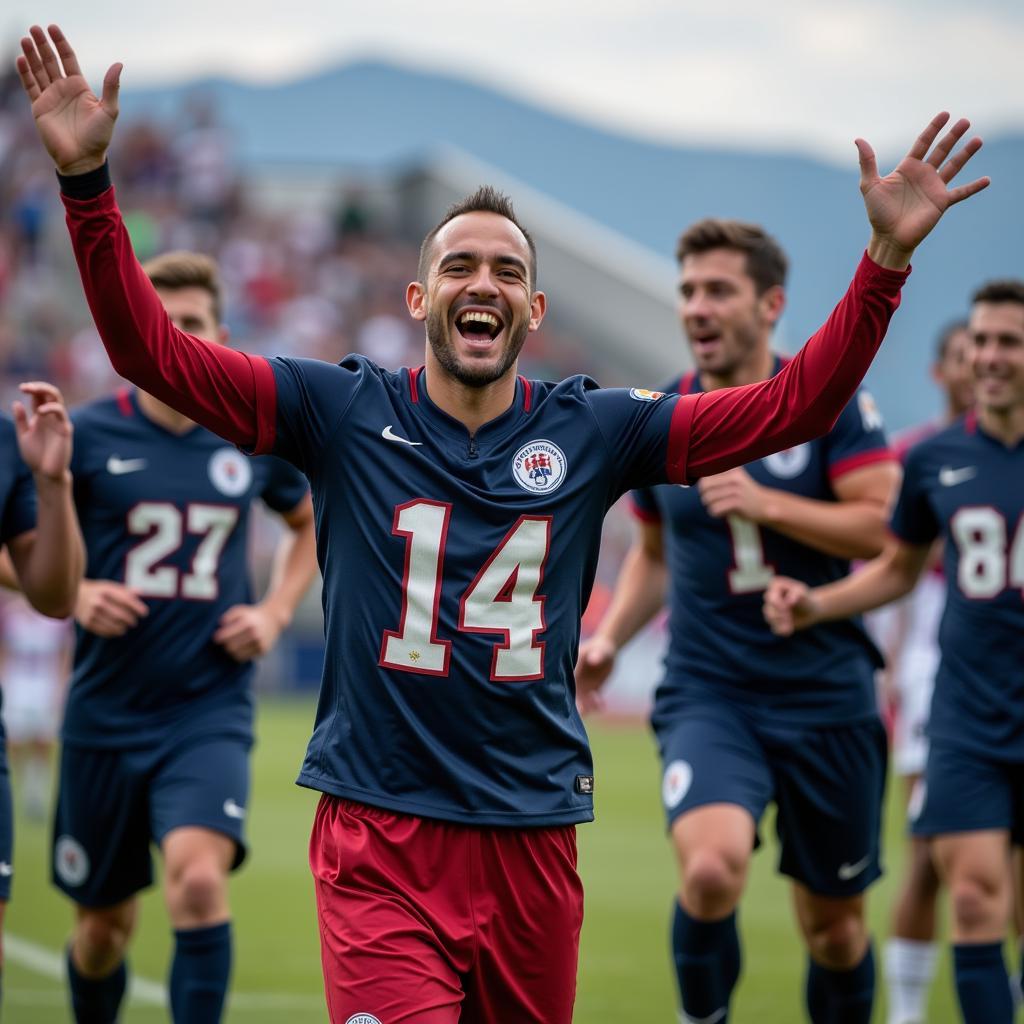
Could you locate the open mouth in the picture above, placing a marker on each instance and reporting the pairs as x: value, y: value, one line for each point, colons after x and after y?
x: 478, y: 326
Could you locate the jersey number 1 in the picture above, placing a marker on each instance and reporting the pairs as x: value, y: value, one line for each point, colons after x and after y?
x: 502, y: 599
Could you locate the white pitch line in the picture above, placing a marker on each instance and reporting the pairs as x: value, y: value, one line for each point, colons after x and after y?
x: 50, y: 964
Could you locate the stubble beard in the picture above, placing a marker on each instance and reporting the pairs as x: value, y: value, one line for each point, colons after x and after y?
x: 472, y: 375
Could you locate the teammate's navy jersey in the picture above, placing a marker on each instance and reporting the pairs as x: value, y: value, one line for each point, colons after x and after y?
x: 968, y: 488
x: 719, y: 568
x: 461, y: 566
x: 17, y: 493
x: 167, y: 515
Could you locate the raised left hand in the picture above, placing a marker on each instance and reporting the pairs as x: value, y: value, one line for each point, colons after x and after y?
x: 733, y: 493
x: 248, y: 631
x: 44, y: 432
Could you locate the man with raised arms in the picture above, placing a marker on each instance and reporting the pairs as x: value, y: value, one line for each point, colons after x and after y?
x: 459, y: 510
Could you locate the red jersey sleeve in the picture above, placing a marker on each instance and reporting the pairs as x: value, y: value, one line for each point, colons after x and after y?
x: 731, y: 426
x: 229, y: 392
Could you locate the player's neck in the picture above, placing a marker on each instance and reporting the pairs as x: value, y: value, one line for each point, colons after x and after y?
x: 954, y: 410
x: 758, y: 367
x: 471, y: 406
x: 1006, y: 425
x: 168, y: 418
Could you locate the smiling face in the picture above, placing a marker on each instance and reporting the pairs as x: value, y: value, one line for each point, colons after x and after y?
x: 727, y: 323
x: 997, y: 338
x: 477, y: 300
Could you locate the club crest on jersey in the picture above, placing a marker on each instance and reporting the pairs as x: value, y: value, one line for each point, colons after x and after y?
x: 789, y: 463
x: 539, y: 467
x: 362, y: 1018
x: 230, y: 472
x: 643, y: 395
x: 70, y: 861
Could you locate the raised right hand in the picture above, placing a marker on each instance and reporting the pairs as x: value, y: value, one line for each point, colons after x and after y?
x: 107, y: 608
x: 789, y: 605
x: 74, y: 125
x: 593, y: 667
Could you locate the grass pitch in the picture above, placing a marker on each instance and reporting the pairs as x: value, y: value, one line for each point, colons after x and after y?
x: 624, y: 859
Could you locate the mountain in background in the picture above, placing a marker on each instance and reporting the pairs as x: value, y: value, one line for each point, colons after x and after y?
x: 373, y: 116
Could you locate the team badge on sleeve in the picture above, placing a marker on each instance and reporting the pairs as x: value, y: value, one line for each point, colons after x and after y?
x: 643, y: 395
x: 789, y: 463
x: 230, y: 472
x: 539, y: 467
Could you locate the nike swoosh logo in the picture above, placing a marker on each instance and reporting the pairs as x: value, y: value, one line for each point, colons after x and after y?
x: 848, y: 871
x: 117, y: 466
x: 232, y: 810
x: 950, y: 477
x: 389, y: 435
x: 685, y: 1018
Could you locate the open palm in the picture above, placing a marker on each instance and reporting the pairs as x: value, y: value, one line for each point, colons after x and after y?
x: 75, y: 125
x: 907, y: 203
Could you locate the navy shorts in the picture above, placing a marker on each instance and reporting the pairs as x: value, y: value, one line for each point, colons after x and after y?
x: 113, y: 804
x: 6, y: 824
x: 827, y: 783
x: 964, y: 791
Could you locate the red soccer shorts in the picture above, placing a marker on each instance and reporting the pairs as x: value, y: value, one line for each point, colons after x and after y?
x: 430, y: 922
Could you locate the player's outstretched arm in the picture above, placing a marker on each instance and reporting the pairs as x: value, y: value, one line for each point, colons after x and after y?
x: 732, y: 426
x: 48, y: 560
x: 790, y: 605
x: 639, y: 595
x: 248, y: 631
x: 213, y: 385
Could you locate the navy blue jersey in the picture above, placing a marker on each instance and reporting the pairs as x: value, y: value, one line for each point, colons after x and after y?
x: 167, y: 515
x: 719, y: 568
x: 461, y: 566
x: 17, y: 493
x: 968, y: 488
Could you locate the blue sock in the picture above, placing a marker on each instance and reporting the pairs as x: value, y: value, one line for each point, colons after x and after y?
x: 199, y: 973
x: 707, y: 961
x: 96, y: 1000
x: 841, y: 997
x: 982, y: 984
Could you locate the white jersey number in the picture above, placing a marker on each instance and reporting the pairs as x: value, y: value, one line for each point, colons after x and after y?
x: 502, y: 599
x: 165, y: 526
x: 986, y: 567
x: 751, y: 572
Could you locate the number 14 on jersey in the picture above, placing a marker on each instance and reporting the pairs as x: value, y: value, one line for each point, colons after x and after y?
x: 502, y: 599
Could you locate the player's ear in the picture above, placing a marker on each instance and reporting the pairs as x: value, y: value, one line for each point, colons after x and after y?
x: 416, y: 300
x: 538, y: 306
x: 773, y: 302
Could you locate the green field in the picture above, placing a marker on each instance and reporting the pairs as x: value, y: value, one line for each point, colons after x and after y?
x: 624, y: 859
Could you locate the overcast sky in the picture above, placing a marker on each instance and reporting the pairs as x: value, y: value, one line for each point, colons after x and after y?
x: 793, y: 73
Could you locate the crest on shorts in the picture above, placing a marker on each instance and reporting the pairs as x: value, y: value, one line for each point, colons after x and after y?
x: 230, y: 472
x: 70, y: 861
x: 676, y: 783
x: 789, y: 463
x: 539, y: 467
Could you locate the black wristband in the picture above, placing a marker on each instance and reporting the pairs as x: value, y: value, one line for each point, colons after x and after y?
x: 85, y: 186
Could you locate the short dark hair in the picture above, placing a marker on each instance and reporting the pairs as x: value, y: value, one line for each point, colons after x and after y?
x: 1004, y: 290
x: 766, y: 262
x: 173, y: 271
x: 946, y: 335
x: 486, y: 199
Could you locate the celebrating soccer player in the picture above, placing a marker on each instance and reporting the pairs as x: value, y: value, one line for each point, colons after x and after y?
x: 965, y: 485
x: 459, y: 511
x: 742, y: 717
x: 40, y: 534
x: 158, y: 725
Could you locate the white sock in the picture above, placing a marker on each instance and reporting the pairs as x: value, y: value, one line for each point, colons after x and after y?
x: 909, y: 969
